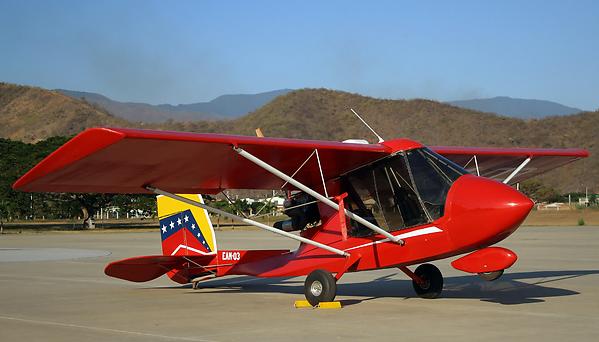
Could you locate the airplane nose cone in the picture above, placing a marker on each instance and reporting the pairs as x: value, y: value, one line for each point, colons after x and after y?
x: 483, y: 211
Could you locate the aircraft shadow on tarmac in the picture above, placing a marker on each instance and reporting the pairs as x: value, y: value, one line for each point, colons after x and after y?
x: 507, y: 290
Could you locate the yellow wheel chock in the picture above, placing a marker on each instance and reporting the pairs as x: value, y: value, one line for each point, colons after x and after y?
x: 299, y: 304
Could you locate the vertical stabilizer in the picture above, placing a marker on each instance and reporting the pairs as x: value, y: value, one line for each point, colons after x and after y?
x: 185, y: 229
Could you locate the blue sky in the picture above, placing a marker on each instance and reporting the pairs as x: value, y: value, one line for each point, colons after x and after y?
x: 190, y: 51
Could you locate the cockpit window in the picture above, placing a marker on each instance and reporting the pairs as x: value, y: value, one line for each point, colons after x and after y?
x: 432, y: 185
x: 404, y: 190
x: 446, y: 167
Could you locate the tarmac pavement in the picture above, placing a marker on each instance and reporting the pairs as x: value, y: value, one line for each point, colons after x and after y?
x: 52, y: 288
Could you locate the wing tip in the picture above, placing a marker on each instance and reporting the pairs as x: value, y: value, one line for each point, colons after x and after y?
x: 81, y: 145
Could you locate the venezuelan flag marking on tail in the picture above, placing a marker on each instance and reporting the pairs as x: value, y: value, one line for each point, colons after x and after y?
x: 185, y: 229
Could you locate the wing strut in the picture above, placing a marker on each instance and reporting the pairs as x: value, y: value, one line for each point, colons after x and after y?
x: 518, y: 169
x: 313, y: 193
x: 476, y: 163
x: 246, y: 220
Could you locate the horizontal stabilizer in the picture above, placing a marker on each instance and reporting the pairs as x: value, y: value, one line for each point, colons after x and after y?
x: 146, y: 268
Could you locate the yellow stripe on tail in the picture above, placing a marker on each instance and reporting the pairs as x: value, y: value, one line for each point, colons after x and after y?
x: 185, y: 229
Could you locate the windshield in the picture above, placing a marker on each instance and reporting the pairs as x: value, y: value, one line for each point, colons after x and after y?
x: 404, y: 190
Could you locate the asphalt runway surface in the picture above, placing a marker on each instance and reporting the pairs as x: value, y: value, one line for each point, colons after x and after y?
x: 52, y: 288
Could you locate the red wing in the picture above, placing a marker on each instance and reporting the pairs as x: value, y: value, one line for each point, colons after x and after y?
x: 108, y: 160
x: 499, y: 163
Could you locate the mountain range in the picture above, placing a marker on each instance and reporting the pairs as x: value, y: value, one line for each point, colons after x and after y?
x: 517, y: 108
x: 31, y: 114
x: 222, y: 107
x: 235, y: 106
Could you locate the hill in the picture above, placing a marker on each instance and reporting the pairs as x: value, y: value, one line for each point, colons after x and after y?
x: 31, y: 114
x: 222, y: 107
x: 517, y: 108
x: 324, y: 114
x: 229, y: 106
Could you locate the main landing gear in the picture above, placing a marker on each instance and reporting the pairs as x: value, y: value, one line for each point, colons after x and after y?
x: 320, y: 286
x: 427, y: 280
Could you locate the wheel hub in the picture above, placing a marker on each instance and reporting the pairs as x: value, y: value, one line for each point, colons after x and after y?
x: 316, y: 288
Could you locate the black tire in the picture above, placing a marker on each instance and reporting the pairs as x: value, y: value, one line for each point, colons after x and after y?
x: 320, y: 286
x: 490, y: 276
x: 433, y: 281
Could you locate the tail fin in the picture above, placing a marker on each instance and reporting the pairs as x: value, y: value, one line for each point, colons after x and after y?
x: 185, y: 229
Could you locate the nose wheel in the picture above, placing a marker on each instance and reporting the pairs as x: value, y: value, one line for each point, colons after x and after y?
x: 320, y: 286
x: 428, y: 281
x: 490, y: 276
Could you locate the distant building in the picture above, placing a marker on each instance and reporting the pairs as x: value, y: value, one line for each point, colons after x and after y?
x: 277, y: 201
x: 553, y: 206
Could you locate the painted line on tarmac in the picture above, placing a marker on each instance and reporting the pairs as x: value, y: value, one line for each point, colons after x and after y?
x: 86, y: 327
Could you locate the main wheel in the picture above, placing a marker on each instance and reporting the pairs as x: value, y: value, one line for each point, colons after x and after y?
x: 490, y: 276
x: 432, y: 284
x: 320, y: 286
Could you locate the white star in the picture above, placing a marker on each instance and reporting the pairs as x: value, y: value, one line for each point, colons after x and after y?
x: 172, y: 225
x: 199, y: 234
x: 163, y: 228
x: 193, y: 226
x: 179, y: 221
x: 186, y: 218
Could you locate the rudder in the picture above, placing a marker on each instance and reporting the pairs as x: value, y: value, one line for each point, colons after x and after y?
x: 185, y: 229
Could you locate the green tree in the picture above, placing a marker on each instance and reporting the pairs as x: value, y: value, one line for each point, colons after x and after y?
x: 17, y: 158
x: 539, y: 191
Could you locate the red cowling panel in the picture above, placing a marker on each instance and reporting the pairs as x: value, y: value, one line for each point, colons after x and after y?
x: 488, y: 259
x: 498, y: 163
x: 115, y: 160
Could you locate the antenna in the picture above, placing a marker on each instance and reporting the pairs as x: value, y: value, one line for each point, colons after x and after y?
x: 367, y: 125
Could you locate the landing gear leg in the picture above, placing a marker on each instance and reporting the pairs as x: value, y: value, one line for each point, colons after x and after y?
x: 427, y: 280
x: 320, y: 286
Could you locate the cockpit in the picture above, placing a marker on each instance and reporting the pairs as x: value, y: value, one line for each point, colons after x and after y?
x: 406, y: 189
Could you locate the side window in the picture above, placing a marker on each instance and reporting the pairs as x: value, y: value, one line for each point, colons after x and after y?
x: 388, y: 197
x: 431, y: 185
x: 362, y: 201
x: 407, y: 198
x: 383, y: 193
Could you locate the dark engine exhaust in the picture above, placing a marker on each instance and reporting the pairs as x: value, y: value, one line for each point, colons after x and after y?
x: 303, y: 210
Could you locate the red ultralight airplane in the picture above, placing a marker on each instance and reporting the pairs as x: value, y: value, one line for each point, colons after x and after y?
x: 357, y: 206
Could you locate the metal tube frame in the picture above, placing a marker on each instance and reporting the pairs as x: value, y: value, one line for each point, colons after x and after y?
x: 246, y: 220
x: 313, y: 193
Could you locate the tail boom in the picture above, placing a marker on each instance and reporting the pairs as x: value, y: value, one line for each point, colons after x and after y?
x: 183, y: 269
